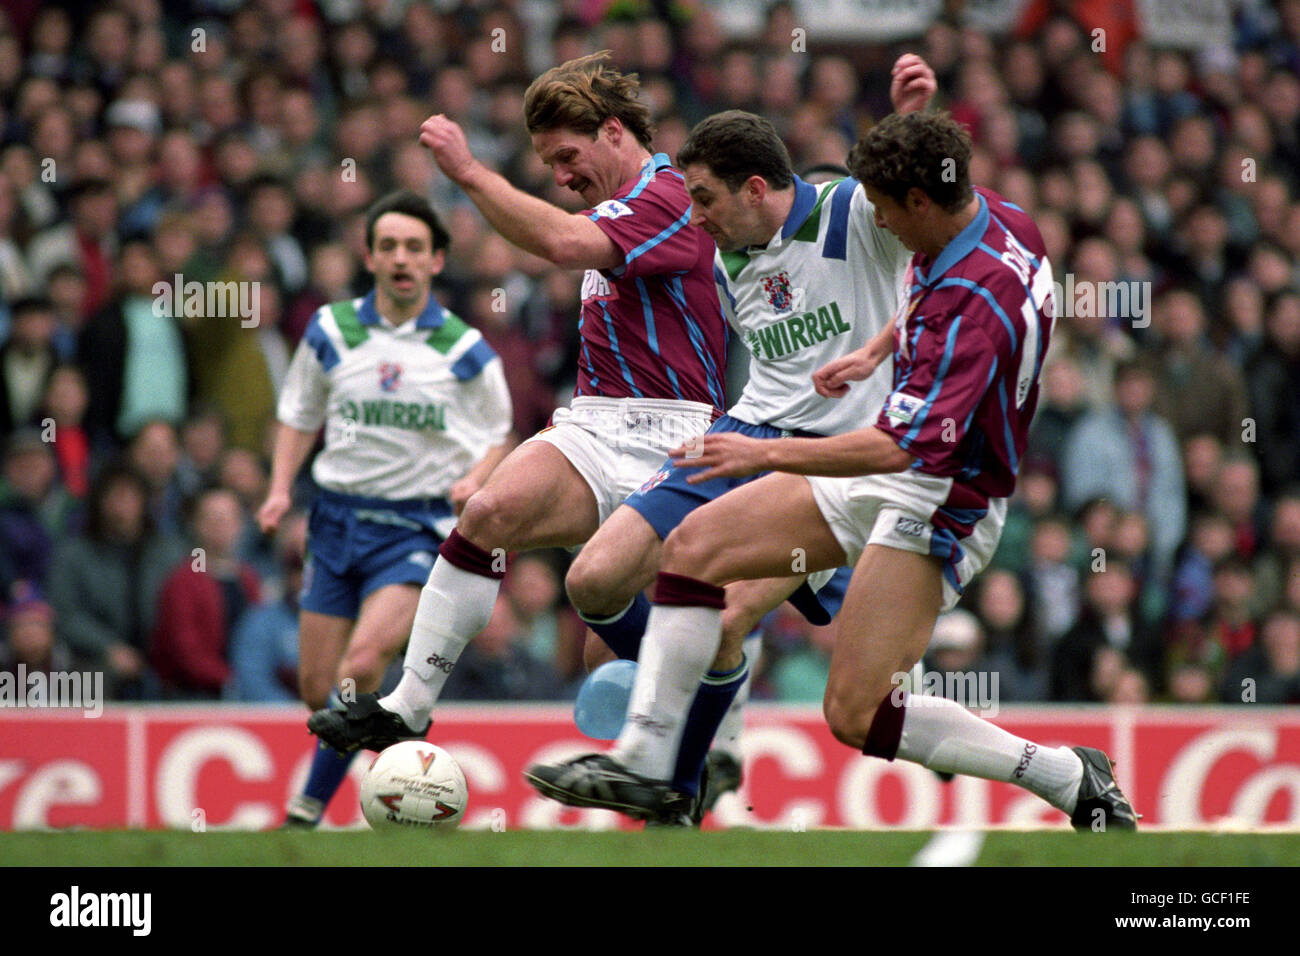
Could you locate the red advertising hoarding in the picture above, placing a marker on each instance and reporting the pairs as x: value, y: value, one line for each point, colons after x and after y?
x: 234, y: 768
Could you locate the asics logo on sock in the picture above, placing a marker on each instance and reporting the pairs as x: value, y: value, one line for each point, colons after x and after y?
x: 444, y: 664
x: 1028, y: 755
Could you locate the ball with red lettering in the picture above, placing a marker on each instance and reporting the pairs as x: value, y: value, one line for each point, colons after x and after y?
x: 413, y: 784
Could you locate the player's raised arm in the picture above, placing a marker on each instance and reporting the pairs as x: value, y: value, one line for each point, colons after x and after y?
x: 569, y: 240
x: 912, y: 84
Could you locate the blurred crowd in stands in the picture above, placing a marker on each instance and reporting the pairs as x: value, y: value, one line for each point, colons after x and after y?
x: 1152, y: 551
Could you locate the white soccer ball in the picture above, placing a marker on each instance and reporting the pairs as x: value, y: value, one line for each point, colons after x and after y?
x: 413, y: 784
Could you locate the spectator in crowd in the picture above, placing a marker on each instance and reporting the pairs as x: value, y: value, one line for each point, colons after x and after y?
x: 154, y: 453
x: 1271, y: 568
x: 1236, y: 495
x: 1197, y: 389
x: 1109, y: 622
x: 1210, y: 543
x: 63, y: 412
x: 29, y: 634
x: 1053, y: 580
x: 232, y: 374
x: 1130, y: 456
x: 264, y: 645
x: 200, y: 601
x: 1202, y: 458
x: 202, y: 444
x: 35, y: 510
x: 66, y: 288
x: 1036, y: 497
x: 955, y: 665
x: 133, y: 352
x: 332, y: 278
x: 1268, y: 673
x: 1273, y: 378
x: 1158, y: 165
x: 1062, y: 403
x: 88, y: 241
x: 1014, y: 647
x: 490, y: 312
x: 27, y: 361
x: 1231, y: 625
x: 554, y: 631
x: 104, y: 584
x: 802, y: 662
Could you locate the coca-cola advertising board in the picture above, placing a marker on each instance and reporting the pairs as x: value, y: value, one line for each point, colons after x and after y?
x: 234, y: 767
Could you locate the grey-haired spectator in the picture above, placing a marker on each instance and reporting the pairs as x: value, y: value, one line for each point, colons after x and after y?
x: 132, y: 131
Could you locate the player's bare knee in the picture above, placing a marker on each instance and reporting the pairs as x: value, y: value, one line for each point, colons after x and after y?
x: 489, y: 520
x: 849, y: 718
x: 690, y: 549
x: 850, y: 710
x: 594, y: 589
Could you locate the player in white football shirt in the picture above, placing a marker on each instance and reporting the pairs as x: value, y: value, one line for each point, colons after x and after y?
x: 416, y: 415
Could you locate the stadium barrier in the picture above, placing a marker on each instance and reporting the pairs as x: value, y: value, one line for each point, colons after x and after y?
x: 232, y: 767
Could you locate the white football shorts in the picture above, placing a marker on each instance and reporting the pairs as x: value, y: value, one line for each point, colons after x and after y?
x: 617, y: 443
x: 896, y: 510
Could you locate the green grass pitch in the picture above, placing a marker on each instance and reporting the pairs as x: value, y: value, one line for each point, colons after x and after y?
x: 575, y: 848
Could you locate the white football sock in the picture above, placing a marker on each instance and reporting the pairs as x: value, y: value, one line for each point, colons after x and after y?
x: 679, y: 645
x: 727, y: 738
x: 941, y: 734
x: 454, y: 606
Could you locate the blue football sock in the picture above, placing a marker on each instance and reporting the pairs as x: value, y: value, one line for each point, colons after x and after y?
x: 328, y: 768
x: 623, y: 631
x: 711, y: 703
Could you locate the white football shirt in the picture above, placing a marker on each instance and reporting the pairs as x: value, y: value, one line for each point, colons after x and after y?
x: 407, y: 410
x: 822, y: 287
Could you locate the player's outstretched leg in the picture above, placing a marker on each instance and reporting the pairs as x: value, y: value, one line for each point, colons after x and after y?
x: 381, y: 630
x: 535, y: 498
x: 868, y: 711
x: 684, y: 637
